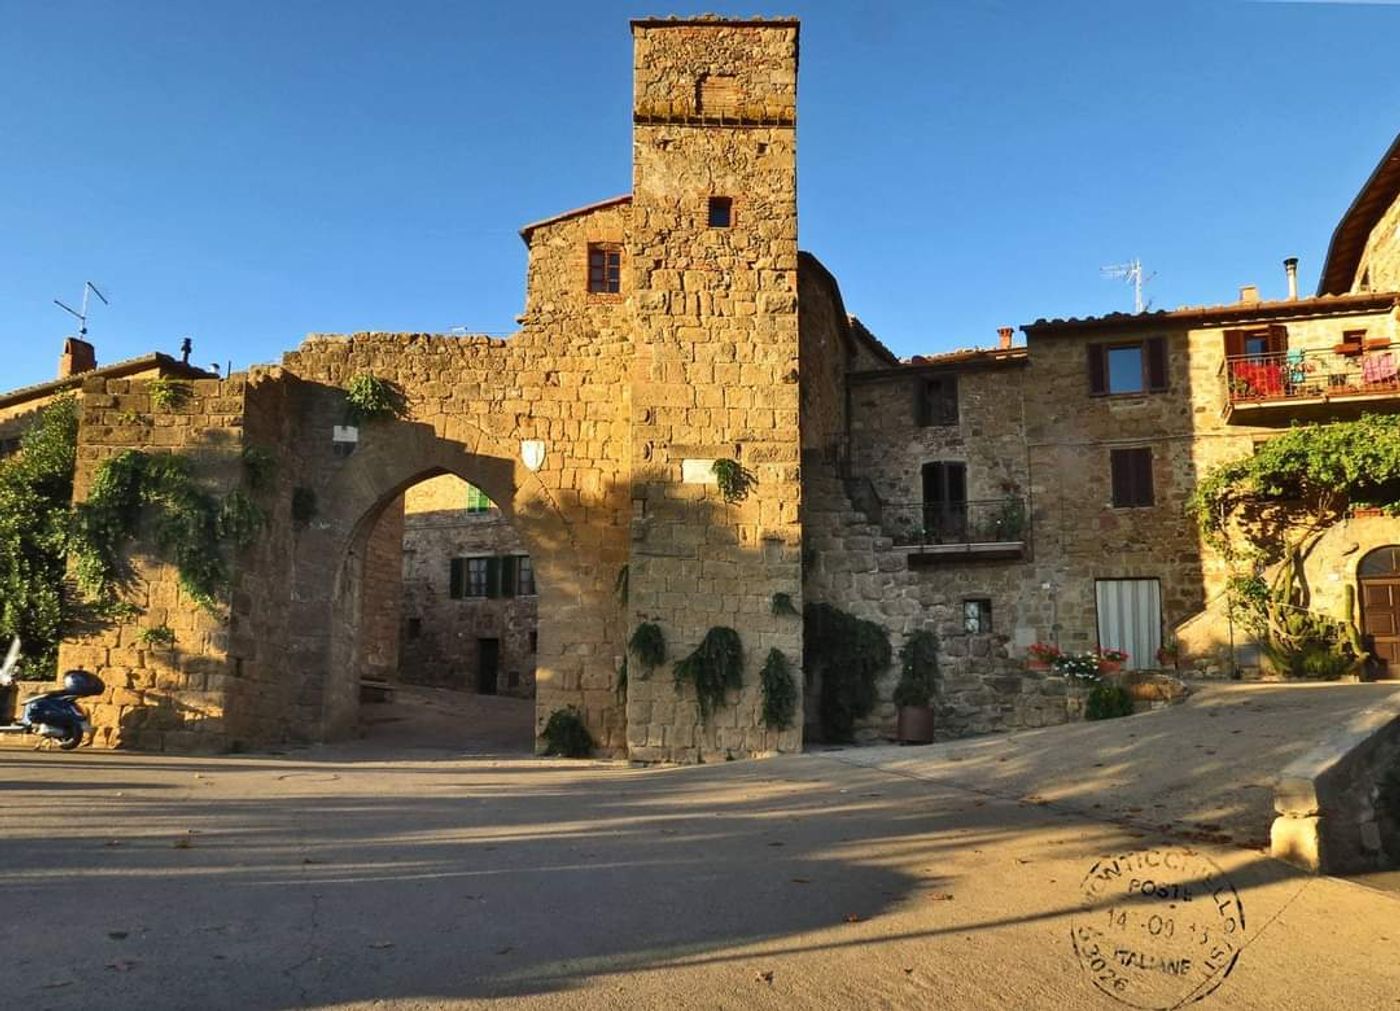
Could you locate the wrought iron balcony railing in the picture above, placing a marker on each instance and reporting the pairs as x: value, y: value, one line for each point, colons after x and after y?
x: 989, y: 521
x: 1343, y: 371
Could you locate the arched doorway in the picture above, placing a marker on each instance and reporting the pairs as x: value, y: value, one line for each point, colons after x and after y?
x: 1379, y: 577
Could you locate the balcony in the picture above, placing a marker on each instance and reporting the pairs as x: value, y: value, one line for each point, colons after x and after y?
x: 1289, y: 384
x: 950, y: 532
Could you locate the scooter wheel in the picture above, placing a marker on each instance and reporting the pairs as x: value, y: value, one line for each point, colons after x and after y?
x: 71, y: 741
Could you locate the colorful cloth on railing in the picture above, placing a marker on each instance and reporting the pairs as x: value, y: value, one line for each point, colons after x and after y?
x: 1257, y: 379
x: 1379, y: 368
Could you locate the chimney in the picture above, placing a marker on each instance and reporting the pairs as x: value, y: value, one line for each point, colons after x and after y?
x: 78, y: 356
x: 1004, y: 333
x: 1249, y: 294
x: 1290, y: 267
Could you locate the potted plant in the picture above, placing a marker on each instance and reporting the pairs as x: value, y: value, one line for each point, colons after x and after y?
x: 1168, y: 653
x: 913, y: 696
x: 1078, y: 666
x: 1110, y: 660
x: 1042, y: 655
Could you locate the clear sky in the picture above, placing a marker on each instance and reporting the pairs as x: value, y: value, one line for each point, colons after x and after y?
x: 247, y: 172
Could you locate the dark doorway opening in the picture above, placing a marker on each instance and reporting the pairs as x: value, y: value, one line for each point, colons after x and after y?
x: 488, y: 665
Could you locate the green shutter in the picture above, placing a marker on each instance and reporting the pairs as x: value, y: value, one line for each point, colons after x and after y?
x: 493, y: 577
x: 508, y: 576
x: 456, y: 578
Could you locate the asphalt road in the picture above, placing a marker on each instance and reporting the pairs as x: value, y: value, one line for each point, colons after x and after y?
x: 362, y: 877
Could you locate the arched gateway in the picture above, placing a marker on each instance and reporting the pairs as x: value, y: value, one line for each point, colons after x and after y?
x: 657, y: 338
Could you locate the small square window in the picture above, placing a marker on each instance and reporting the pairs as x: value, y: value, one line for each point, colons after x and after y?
x: 1125, y: 370
x: 936, y: 401
x: 415, y: 628
x: 721, y: 212
x: 604, y: 268
x: 977, y: 616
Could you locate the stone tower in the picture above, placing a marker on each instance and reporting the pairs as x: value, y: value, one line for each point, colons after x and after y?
x: 711, y: 260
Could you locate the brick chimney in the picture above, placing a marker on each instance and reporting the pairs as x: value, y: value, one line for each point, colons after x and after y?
x: 1004, y: 333
x: 78, y: 356
x: 1249, y: 294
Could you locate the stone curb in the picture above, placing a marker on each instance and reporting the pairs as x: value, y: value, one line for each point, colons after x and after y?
x: 1322, y: 815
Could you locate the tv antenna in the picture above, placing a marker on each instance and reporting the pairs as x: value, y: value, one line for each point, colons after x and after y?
x: 81, y: 317
x: 1132, y: 273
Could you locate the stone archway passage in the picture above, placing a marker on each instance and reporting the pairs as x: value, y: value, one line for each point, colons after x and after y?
x: 1379, y: 576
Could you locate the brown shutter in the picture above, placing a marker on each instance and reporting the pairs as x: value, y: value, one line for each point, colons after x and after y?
x: 1098, y: 370
x: 1278, y: 339
x: 1120, y: 468
x: 1143, y: 478
x: 456, y: 578
x: 922, y: 413
x: 1155, y: 361
x: 1234, y: 343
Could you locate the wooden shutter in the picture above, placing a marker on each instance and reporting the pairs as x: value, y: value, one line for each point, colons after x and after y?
x: 1098, y: 369
x: 923, y: 415
x: 456, y: 578
x: 1131, y: 471
x: 1278, y: 339
x: 1234, y: 342
x: 493, y: 577
x: 508, y: 576
x: 1154, y: 355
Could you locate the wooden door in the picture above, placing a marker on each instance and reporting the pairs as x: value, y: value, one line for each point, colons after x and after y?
x: 1380, y: 619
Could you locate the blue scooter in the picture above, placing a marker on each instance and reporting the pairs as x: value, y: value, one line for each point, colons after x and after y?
x: 54, y: 716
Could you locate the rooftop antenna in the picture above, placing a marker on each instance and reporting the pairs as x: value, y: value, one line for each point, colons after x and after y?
x: 1132, y: 273
x: 81, y: 317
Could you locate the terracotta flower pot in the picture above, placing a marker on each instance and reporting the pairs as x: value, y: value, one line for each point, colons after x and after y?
x: 1110, y: 666
x: 914, y: 725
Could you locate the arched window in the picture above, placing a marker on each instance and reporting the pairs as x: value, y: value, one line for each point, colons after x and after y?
x: 1381, y: 562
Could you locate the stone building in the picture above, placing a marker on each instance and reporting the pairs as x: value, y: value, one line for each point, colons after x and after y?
x: 76, y: 364
x: 469, y: 610
x: 993, y: 496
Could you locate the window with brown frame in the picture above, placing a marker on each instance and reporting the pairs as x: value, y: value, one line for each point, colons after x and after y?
x: 1132, y: 477
x: 1128, y: 367
x: 604, y: 268
x: 1260, y: 340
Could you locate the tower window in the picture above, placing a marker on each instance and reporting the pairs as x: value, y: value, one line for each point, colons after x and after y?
x: 721, y: 212
x: 604, y: 267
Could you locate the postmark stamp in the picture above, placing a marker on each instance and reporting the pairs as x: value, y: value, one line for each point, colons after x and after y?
x: 1159, y: 928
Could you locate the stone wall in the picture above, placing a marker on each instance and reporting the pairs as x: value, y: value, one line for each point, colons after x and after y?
x: 439, y: 644
x: 1380, y: 262
x: 714, y: 372
x: 384, y: 591
x: 160, y: 698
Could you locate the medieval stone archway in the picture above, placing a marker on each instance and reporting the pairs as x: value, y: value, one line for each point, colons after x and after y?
x: 329, y: 563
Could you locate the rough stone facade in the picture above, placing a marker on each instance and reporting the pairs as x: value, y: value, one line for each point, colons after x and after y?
x: 440, y: 636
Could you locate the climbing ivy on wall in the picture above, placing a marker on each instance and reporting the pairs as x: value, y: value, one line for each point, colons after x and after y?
x: 848, y: 653
x: 36, y: 489
x: 779, y: 691
x: 190, y: 526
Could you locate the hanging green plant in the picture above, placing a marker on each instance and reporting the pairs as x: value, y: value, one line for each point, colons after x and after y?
x: 369, y: 398
x: 782, y: 606
x: 848, y: 653
x: 157, y: 637
x: 648, y: 645
x: 240, y: 518
x: 566, y: 734
x: 620, y: 584
x: 715, y: 667
x: 622, y: 678
x: 918, y: 674
x: 303, y: 506
x: 259, y: 466
x: 779, y: 691
x: 168, y: 394
x: 735, y: 480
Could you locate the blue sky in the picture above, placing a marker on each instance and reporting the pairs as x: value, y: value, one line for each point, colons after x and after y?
x: 248, y: 172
